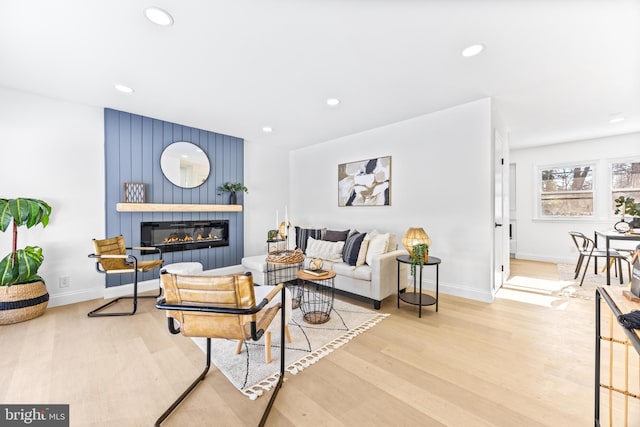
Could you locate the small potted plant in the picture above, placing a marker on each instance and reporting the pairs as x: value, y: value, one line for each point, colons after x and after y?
x: 232, y: 188
x: 419, y: 255
x: 628, y: 206
x: 23, y: 294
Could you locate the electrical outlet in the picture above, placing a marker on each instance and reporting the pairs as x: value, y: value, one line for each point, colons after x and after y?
x: 64, y: 281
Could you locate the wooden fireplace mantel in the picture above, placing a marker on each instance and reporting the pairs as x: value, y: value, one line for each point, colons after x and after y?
x: 173, y: 207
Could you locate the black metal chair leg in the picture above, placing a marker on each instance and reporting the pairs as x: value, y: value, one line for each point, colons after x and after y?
x: 189, y: 389
x: 584, y: 272
x: 134, y: 297
x: 272, y: 400
x: 578, y: 266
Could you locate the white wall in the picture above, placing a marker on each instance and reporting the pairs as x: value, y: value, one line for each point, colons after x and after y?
x: 441, y: 169
x: 548, y: 240
x: 53, y: 150
x: 441, y: 181
x: 266, y: 175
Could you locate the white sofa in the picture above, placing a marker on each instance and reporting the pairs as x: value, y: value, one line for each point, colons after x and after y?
x: 374, y: 280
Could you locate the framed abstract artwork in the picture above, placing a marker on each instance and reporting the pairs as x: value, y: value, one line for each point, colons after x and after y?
x: 365, y: 182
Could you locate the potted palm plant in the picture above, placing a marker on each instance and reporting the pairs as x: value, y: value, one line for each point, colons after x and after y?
x: 419, y: 255
x: 232, y: 188
x: 23, y: 294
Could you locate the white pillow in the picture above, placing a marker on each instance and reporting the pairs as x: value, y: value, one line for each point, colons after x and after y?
x: 377, y: 246
x: 331, y: 251
x: 363, y: 252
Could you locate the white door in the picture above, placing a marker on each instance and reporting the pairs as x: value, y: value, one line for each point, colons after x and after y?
x: 499, y: 226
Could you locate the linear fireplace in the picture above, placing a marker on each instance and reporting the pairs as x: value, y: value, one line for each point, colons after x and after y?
x: 171, y: 236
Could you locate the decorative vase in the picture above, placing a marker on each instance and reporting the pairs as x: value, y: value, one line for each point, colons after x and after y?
x: 22, y: 302
x: 635, y: 223
x: 233, y: 198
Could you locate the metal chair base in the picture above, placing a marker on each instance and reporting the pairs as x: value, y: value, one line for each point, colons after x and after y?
x: 134, y: 297
x: 203, y: 374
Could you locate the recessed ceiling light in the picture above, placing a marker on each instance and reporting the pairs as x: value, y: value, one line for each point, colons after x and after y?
x: 616, y: 120
x: 123, y: 88
x: 472, y: 50
x: 333, y: 101
x: 158, y: 16
x: 267, y: 129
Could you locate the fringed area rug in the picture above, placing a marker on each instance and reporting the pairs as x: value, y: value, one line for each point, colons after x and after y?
x: 248, y: 372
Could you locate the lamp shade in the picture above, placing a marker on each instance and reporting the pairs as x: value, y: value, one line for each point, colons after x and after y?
x: 414, y: 236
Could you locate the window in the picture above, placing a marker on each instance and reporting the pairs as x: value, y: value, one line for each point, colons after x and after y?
x: 566, y: 191
x: 625, y: 181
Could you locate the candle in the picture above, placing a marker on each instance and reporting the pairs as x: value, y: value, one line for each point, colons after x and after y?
x: 286, y: 222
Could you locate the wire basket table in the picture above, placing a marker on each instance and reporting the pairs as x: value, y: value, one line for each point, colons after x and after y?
x: 282, y: 267
x: 316, y: 296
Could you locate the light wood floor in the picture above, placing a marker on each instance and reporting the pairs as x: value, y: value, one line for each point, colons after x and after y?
x: 509, y: 363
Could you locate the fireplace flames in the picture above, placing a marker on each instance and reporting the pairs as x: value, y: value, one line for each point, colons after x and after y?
x: 176, y: 239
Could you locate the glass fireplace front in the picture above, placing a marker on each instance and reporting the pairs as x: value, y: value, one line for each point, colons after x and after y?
x: 171, y: 236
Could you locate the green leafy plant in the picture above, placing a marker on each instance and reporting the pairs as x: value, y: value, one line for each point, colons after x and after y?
x: 418, y: 253
x: 628, y: 206
x: 232, y: 187
x: 21, y: 265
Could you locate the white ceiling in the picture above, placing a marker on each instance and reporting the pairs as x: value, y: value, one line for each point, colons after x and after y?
x: 556, y: 69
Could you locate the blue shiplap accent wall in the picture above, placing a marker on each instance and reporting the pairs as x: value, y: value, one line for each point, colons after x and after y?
x: 133, y: 146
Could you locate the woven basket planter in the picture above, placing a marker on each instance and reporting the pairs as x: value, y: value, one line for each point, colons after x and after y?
x: 22, y: 302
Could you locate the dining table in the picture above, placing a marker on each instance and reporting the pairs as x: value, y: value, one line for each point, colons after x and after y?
x: 608, y: 236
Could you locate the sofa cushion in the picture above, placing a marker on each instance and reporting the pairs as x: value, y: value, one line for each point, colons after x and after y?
x: 302, y: 234
x: 346, y: 270
x: 331, y: 251
x: 336, y: 236
x: 362, y: 255
x: 352, y: 247
x: 377, y: 245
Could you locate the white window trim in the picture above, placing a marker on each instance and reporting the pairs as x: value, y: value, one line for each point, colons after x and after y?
x: 610, y: 204
x: 537, y: 216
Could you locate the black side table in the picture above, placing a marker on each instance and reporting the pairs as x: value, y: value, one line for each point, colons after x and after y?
x: 418, y: 298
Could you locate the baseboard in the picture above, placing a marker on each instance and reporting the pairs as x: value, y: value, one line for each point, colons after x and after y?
x: 542, y: 258
x: 458, y: 291
x: 463, y: 292
x: 74, y: 297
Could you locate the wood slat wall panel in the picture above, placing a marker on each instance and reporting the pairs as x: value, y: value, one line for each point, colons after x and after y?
x: 133, y: 147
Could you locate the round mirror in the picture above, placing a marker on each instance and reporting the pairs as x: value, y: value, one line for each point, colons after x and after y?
x: 185, y: 164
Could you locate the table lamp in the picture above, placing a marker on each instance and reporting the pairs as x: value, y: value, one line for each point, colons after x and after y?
x: 414, y: 236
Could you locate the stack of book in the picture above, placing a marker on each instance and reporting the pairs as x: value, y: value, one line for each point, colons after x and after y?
x: 316, y: 272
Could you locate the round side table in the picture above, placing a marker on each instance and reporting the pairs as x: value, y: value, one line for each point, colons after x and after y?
x: 418, y: 298
x: 316, y: 297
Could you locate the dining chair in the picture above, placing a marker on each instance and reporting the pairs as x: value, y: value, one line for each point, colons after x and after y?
x: 221, y: 307
x: 587, y: 249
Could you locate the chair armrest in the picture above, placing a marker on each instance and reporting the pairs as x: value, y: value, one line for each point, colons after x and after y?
x: 384, y: 270
x: 108, y: 256
x: 273, y: 293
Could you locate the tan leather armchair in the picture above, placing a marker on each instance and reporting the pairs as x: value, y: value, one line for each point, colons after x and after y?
x: 113, y: 257
x: 220, y: 307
